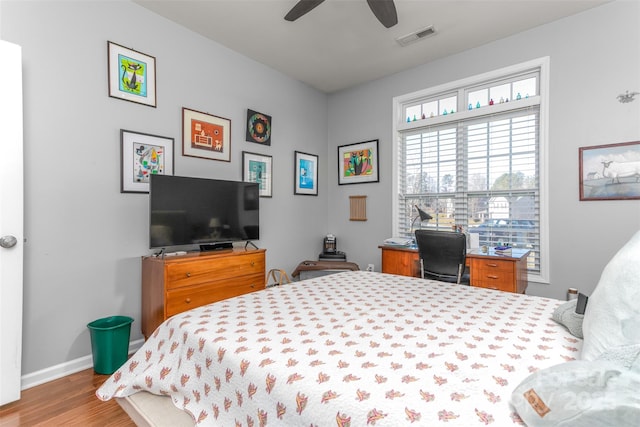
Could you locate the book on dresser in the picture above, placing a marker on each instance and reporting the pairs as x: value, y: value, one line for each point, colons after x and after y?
x: 502, y: 250
x: 172, y: 285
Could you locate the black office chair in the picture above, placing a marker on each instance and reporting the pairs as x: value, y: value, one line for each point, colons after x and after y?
x: 443, y: 256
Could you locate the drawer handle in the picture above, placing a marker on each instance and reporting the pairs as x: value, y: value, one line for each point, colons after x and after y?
x: 489, y: 276
x: 187, y: 300
x: 492, y: 265
x: 253, y: 263
x: 188, y: 274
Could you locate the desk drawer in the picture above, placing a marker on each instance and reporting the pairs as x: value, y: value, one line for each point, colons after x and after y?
x: 493, y: 274
x: 186, y: 298
x: 194, y: 272
x: 405, y: 263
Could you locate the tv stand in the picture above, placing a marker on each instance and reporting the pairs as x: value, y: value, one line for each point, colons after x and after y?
x: 175, y: 284
x: 216, y: 246
x: 249, y: 242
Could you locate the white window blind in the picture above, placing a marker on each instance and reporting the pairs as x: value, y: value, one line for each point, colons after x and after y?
x: 476, y: 163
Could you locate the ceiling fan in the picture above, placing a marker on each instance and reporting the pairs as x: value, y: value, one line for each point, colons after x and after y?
x: 384, y: 10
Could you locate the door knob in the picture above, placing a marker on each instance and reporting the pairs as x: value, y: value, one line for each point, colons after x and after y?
x: 8, y: 241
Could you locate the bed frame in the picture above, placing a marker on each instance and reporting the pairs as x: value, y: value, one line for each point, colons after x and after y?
x: 150, y: 410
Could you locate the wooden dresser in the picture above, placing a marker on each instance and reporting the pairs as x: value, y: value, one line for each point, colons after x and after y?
x: 174, y: 284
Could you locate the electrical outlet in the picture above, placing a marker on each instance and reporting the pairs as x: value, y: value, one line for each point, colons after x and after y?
x: 370, y: 267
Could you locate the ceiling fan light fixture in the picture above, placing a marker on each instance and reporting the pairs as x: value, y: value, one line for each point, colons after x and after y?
x: 416, y: 35
x: 384, y: 10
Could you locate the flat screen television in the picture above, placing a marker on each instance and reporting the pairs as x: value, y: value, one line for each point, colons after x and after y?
x: 211, y: 213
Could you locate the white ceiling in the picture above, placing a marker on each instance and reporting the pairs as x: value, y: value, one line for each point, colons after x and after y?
x: 340, y: 43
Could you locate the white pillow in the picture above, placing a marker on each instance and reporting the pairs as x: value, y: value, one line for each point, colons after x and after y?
x: 627, y: 356
x: 579, y: 394
x: 565, y: 314
x: 612, y: 318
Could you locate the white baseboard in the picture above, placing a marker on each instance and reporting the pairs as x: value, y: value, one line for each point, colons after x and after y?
x: 67, y: 368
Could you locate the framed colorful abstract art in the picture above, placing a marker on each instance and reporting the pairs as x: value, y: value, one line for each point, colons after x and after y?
x: 305, y: 174
x: 132, y: 75
x: 206, y: 136
x: 258, y: 168
x: 143, y: 155
x: 258, y: 128
x: 358, y: 163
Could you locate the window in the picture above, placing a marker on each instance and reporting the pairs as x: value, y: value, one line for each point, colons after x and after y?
x: 470, y: 154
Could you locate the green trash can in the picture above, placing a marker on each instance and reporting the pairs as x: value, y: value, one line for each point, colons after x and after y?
x: 110, y: 343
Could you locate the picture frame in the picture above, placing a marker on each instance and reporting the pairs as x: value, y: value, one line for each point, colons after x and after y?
x: 258, y: 127
x: 258, y: 168
x: 143, y: 155
x: 132, y: 75
x: 610, y: 172
x: 305, y: 174
x: 358, y: 163
x: 205, y: 136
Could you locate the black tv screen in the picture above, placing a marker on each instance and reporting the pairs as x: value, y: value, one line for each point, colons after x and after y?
x: 197, y: 211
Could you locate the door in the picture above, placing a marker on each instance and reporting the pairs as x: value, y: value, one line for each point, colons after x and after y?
x: 11, y: 221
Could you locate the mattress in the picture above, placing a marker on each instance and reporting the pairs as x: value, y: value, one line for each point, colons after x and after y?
x: 355, y: 348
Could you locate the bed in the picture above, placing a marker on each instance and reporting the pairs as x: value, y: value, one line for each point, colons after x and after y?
x: 350, y: 349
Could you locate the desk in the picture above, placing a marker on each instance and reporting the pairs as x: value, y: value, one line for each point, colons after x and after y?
x: 486, y: 270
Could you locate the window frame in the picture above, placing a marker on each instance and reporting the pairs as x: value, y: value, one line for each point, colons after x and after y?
x: 401, y: 125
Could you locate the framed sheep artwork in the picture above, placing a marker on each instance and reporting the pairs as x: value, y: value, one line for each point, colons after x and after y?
x: 610, y: 172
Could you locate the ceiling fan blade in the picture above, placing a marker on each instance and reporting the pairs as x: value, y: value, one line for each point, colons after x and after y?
x: 385, y: 11
x: 301, y: 8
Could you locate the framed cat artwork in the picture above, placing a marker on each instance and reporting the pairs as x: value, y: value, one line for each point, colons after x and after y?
x: 132, y: 75
x: 358, y: 163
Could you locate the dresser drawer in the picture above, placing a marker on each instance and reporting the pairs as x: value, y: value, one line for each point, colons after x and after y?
x: 195, y: 271
x: 493, y: 274
x: 172, y: 285
x: 188, y: 297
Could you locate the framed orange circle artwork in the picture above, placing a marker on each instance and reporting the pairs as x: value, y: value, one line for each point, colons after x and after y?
x: 258, y: 128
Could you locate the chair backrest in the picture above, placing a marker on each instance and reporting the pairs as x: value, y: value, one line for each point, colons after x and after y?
x: 442, y: 254
x: 277, y: 277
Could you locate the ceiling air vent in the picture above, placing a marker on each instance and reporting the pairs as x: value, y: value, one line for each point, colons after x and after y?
x: 415, y: 36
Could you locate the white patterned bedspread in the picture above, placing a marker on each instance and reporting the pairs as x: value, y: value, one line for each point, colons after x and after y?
x: 350, y: 349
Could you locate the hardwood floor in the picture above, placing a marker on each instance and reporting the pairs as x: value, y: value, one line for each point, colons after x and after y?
x: 68, y: 401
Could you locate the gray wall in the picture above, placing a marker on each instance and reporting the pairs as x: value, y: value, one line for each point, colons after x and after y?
x: 594, y: 57
x: 85, y: 238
